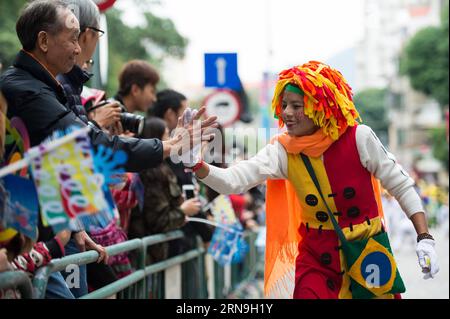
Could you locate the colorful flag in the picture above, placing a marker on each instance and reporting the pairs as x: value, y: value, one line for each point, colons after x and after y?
x: 138, y: 188
x: 17, y: 142
x: 70, y: 179
x: 19, y: 205
x: 227, y: 244
x: 68, y: 184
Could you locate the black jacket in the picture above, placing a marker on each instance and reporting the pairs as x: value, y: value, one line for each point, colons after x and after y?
x: 38, y: 99
x: 161, y: 212
x: 72, y: 84
x: 190, y: 230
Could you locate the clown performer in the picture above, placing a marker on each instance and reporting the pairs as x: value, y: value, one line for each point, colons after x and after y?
x: 304, y: 258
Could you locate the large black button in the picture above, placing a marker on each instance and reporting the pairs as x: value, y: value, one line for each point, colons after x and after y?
x: 325, y: 258
x: 311, y: 200
x: 353, y: 212
x: 330, y: 284
x: 322, y: 216
x: 349, y: 192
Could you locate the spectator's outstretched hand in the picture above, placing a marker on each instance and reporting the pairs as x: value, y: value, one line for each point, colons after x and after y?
x: 190, y: 132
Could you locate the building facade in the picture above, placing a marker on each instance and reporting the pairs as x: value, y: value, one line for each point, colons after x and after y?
x: 389, y: 24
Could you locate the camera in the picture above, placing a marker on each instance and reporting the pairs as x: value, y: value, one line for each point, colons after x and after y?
x: 132, y: 122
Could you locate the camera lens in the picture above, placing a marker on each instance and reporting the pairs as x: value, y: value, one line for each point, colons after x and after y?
x: 132, y: 122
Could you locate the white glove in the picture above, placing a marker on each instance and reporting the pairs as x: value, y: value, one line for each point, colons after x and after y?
x: 427, y: 258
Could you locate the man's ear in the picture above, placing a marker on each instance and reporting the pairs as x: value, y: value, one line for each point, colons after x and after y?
x: 42, y: 41
x: 169, y: 114
x: 82, y: 38
x: 135, y: 89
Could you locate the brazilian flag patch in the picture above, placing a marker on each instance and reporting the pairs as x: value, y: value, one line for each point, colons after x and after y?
x: 372, y: 268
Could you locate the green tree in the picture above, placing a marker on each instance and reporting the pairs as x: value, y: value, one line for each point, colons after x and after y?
x: 9, y: 44
x: 153, y: 42
x: 371, y: 105
x: 425, y: 61
x: 440, y: 145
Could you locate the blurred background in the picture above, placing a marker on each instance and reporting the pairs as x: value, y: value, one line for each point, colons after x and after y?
x: 394, y: 54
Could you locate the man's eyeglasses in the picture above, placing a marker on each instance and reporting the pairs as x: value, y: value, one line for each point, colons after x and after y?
x: 100, y: 32
x: 87, y: 66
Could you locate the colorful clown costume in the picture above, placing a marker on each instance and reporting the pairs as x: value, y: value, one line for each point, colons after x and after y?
x: 304, y: 256
x: 311, y: 265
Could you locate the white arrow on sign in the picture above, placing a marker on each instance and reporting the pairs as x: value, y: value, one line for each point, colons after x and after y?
x: 221, y: 65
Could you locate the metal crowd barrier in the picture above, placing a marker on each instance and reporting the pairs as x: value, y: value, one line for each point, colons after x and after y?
x: 17, y: 280
x: 193, y: 274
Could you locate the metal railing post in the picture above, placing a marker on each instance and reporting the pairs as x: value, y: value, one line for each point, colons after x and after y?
x: 219, y: 281
x: 224, y: 279
x: 40, y: 280
x: 141, y: 259
x: 17, y: 280
x: 200, y: 260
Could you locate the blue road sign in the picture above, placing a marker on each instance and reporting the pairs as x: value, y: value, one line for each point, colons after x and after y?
x: 221, y: 71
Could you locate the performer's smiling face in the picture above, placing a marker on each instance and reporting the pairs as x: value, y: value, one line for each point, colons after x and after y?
x: 293, y: 115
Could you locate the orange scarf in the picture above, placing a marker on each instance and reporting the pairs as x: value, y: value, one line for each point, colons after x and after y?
x: 283, y: 217
x: 311, y: 145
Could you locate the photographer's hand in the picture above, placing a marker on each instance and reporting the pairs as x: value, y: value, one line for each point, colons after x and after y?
x: 106, y: 115
x: 128, y: 134
x: 115, y: 129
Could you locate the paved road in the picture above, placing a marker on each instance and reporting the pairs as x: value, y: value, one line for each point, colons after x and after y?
x: 416, y: 286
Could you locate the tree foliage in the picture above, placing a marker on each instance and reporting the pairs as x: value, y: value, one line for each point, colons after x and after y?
x: 371, y: 105
x: 153, y: 42
x: 440, y: 146
x: 9, y: 43
x: 425, y: 61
